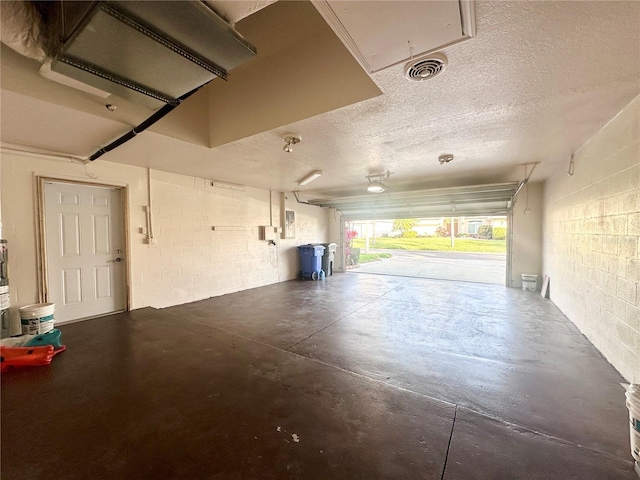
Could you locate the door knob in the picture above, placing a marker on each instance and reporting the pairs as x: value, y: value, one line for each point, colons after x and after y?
x: 116, y: 260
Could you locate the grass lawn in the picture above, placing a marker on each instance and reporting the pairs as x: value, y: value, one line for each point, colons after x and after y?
x: 435, y: 243
x: 373, y: 257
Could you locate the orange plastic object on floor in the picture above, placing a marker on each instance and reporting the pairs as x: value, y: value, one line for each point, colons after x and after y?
x: 15, y: 357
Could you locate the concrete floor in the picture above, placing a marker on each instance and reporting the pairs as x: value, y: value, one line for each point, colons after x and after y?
x: 356, y: 377
x: 462, y: 266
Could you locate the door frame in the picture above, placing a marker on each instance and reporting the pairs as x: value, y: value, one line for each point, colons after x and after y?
x: 41, y: 232
x: 508, y: 280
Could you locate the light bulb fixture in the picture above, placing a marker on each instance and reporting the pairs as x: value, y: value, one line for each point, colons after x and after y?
x: 310, y: 178
x: 375, y: 187
x: 445, y: 158
x: 375, y: 182
x: 289, y: 141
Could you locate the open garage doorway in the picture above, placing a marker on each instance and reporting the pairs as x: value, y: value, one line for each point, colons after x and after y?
x: 465, y: 217
x: 469, y: 248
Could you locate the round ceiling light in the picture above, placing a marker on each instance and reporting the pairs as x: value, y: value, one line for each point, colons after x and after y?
x: 375, y: 187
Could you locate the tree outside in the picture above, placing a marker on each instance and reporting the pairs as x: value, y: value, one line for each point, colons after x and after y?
x: 405, y: 225
x: 352, y: 253
x: 473, y: 235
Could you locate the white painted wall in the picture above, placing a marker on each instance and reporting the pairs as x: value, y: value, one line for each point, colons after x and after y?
x: 3, y: 317
x: 1, y: 202
x: 189, y: 260
x: 591, y: 241
x: 526, y: 230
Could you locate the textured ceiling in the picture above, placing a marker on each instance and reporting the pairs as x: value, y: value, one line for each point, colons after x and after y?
x: 537, y: 81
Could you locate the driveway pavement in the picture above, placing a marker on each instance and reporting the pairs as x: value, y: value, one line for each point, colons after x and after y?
x: 468, y: 267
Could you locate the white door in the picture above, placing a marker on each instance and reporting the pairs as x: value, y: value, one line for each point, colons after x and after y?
x: 85, y: 254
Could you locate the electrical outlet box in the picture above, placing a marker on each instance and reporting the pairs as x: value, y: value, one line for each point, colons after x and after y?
x: 268, y: 232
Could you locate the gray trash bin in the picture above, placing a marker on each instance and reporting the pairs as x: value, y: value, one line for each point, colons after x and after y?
x: 328, y: 257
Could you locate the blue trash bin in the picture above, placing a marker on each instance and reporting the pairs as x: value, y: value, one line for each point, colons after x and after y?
x: 311, y: 261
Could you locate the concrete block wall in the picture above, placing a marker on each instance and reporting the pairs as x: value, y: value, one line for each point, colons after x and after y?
x: 591, y: 241
x: 189, y: 260
x: 207, y: 240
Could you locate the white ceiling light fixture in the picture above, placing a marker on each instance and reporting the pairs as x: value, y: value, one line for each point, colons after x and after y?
x: 375, y: 187
x: 289, y: 141
x: 425, y: 68
x: 310, y: 178
x: 375, y: 182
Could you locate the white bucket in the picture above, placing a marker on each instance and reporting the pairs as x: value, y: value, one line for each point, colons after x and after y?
x: 37, y: 318
x: 529, y: 282
x: 633, y: 404
x: 4, y: 297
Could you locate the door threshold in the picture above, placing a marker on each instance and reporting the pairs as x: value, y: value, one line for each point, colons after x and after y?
x: 92, y: 317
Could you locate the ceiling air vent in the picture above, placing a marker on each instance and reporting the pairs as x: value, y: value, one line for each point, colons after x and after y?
x: 425, y: 68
